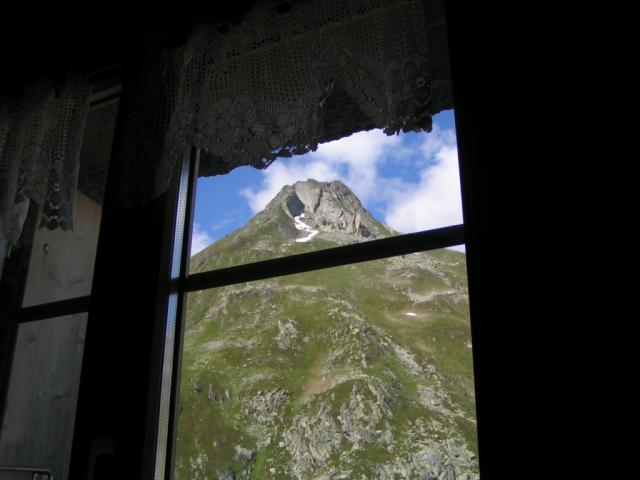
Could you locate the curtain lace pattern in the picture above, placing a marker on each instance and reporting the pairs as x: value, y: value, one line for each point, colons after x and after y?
x: 40, y: 140
x: 282, y: 80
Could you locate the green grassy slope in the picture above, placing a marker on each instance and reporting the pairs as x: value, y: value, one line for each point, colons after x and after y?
x: 323, y: 374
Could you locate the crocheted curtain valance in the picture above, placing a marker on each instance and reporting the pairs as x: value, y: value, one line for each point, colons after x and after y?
x: 40, y: 140
x: 283, y: 79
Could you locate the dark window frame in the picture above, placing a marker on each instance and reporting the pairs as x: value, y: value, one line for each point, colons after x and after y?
x: 183, y: 283
x: 107, y: 86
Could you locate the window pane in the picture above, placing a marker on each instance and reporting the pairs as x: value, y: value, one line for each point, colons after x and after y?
x: 42, y: 390
x: 358, y: 188
x: 49, y: 265
x: 359, y: 371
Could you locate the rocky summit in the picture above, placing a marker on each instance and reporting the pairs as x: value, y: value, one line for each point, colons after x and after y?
x: 329, y: 208
x: 355, y: 372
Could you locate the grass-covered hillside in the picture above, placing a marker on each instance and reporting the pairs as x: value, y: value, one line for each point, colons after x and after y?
x: 356, y: 372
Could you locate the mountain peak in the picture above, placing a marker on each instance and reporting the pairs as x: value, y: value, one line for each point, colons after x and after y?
x: 304, y: 216
x: 326, y: 208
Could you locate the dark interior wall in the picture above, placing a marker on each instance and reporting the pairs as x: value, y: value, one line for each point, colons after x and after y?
x: 36, y: 44
x: 36, y: 41
x: 477, y: 67
x: 119, y: 378
x: 117, y: 374
x: 507, y: 164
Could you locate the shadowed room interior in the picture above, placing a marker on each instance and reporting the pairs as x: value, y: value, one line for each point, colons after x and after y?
x: 100, y: 356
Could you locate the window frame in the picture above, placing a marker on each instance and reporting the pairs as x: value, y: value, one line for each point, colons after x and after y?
x: 106, y: 89
x: 182, y: 283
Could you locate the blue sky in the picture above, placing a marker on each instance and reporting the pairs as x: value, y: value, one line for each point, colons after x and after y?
x: 409, y: 181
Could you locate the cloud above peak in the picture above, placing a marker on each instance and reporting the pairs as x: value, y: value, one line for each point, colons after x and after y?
x: 434, y: 200
x: 354, y: 160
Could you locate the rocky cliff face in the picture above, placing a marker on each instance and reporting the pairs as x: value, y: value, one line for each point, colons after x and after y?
x: 355, y: 372
x: 330, y: 208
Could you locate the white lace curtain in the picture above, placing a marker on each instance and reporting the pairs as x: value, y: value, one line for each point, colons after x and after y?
x: 281, y: 80
x: 40, y: 139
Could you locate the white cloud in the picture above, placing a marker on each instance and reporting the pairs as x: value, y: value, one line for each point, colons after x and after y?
x: 353, y: 159
x: 200, y: 239
x: 434, y: 202
x: 436, y: 140
x: 358, y: 158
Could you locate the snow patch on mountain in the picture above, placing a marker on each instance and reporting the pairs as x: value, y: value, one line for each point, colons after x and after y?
x: 300, y: 225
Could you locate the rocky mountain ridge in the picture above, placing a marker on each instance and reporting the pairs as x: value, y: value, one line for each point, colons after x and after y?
x: 328, y: 207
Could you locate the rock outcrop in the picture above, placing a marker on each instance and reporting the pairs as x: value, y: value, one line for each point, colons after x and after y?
x: 329, y: 207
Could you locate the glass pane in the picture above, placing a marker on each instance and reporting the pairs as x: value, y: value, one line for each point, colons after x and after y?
x: 49, y: 265
x: 358, y: 188
x: 359, y: 371
x: 42, y: 390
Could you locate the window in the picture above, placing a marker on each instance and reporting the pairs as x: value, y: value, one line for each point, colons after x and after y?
x: 115, y: 418
x: 45, y: 286
x: 480, y: 100
x: 294, y: 343
x: 305, y: 347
